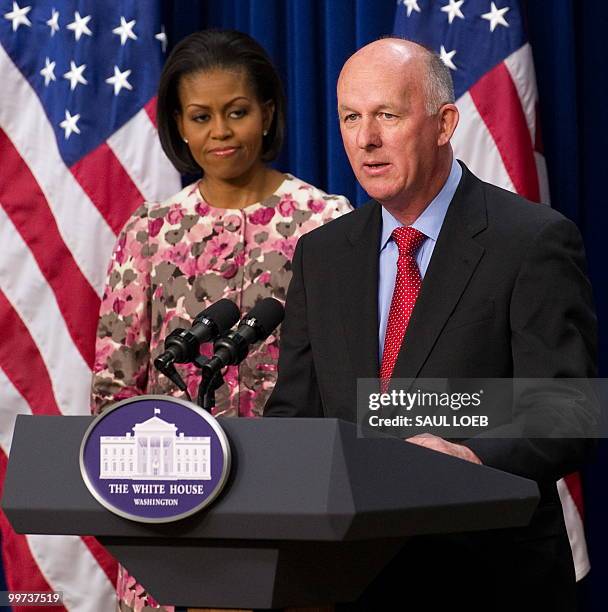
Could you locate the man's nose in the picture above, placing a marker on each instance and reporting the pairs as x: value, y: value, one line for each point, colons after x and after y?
x: 368, y: 134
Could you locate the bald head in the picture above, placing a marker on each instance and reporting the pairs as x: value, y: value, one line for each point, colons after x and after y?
x: 388, y: 50
x: 395, y: 56
x: 396, y: 120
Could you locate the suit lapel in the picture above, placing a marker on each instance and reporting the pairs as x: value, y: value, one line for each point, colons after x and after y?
x: 454, y: 259
x: 357, y: 273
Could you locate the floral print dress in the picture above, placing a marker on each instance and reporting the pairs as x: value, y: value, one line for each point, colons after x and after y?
x: 172, y: 260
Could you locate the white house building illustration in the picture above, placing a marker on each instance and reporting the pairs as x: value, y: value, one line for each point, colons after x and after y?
x: 154, y: 451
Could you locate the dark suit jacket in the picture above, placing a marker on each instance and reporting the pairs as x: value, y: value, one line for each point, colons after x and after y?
x: 505, y: 295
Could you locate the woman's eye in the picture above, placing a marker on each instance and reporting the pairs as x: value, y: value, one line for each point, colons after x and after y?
x: 237, y: 113
x: 201, y: 118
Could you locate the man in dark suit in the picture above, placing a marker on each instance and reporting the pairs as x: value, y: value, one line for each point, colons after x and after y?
x: 499, y: 291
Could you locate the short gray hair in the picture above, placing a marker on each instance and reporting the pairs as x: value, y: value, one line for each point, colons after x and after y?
x: 439, y: 86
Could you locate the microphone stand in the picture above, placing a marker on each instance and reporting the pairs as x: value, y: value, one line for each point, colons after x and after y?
x: 208, y: 385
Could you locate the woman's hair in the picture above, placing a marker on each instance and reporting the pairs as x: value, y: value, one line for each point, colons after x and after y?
x: 212, y: 50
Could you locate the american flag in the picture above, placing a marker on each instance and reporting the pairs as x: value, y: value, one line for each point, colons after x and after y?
x: 79, y: 152
x: 484, y: 45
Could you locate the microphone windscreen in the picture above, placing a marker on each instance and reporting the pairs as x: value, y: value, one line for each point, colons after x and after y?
x: 268, y: 314
x: 224, y: 313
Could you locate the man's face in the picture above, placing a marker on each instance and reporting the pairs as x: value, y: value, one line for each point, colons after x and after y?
x: 390, y: 139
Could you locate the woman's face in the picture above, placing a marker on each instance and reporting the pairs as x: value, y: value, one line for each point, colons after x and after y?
x: 223, y: 122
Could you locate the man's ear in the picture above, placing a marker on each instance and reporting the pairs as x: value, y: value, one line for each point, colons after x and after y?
x: 448, y: 120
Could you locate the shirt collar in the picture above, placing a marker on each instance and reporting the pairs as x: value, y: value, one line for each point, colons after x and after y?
x: 431, y: 219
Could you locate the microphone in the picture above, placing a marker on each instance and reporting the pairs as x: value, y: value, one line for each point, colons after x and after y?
x: 257, y: 325
x: 182, y: 345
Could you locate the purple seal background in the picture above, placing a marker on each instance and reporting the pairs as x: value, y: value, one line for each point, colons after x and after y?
x: 120, y: 421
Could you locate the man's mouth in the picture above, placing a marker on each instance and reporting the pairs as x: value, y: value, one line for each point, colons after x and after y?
x: 375, y: 168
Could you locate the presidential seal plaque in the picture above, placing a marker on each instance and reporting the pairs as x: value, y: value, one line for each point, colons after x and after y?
x: 154, y: 459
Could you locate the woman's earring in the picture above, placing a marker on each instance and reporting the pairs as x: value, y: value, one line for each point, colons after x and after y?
x: 265, y: 133
x: 186, y: 140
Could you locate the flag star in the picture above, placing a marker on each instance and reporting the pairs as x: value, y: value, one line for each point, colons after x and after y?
x: 79, y: 25
x: 53, y: 22
x: 18, y: 16
x: 69, y: 124
x: 162, y: 38
x: 119, y: 80
x: 74, y: 75
x: 446, y: 57
x: 48, y: 72
x: 411, y: 5
x: 125, y: 31
x: 453, y: 10
x: 496, y: 17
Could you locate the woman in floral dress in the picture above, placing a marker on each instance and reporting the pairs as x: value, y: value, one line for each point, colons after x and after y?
x: 231, y: 234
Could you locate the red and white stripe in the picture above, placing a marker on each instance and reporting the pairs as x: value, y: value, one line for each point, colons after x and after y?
x: 57, y: 229
x: 571, y: 496
x: 498, y: 137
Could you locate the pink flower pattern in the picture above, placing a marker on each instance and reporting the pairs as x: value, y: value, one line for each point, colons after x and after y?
x: 172, y: 260
x: 262, y: 216
x: 315, y: 205
x: 286, y: 206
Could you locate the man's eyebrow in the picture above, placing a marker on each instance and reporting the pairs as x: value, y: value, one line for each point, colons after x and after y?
x: 379, y: 108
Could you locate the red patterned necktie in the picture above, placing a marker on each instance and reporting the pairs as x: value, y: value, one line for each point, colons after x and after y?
x: 407, y: 286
